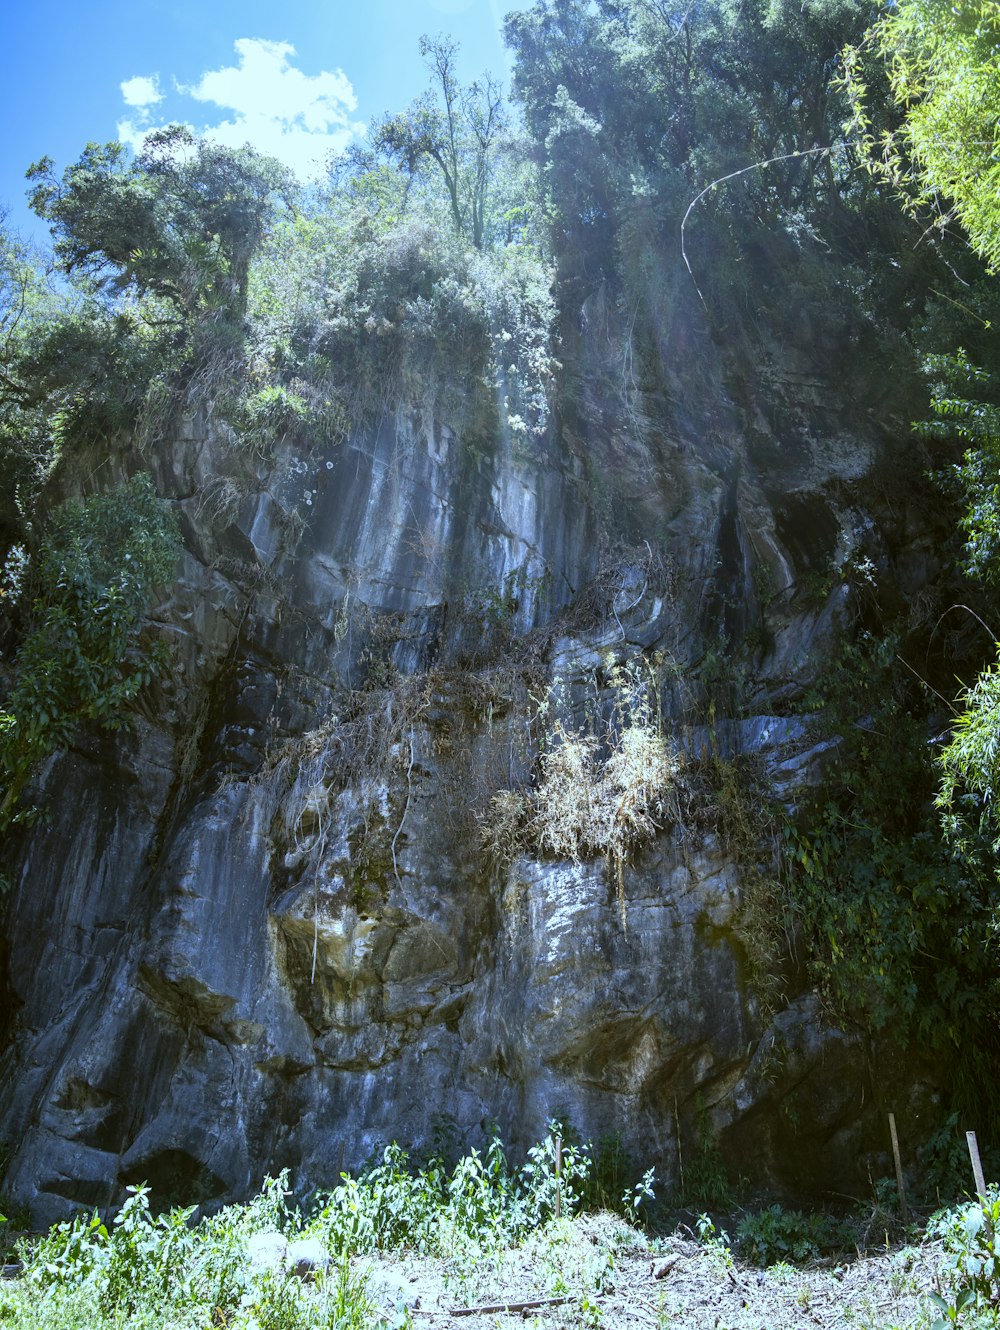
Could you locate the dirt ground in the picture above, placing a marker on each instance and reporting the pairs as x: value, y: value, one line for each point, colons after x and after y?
x: 596, y: 1271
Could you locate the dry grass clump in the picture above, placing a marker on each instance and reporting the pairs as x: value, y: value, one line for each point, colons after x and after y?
x: 502, y: 826
x: 593, y: 798
x: 587, y: 805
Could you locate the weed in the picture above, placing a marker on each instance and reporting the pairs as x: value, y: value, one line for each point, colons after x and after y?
x: 777, y: 1235
x: 704, y: 1183
x: 970, y: 1275
x: 159, y: 1270
x: 716, y: 1241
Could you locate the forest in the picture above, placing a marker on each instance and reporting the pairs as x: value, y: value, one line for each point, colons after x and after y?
x: 706, y: 302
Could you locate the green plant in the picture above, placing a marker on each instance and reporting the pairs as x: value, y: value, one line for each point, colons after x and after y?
x: 264, y: 417
x: 85, y: 656
x: 944, y: 1161
x: 479, y: 1204
x: 778, y: 1235
x: 897, y: 920
x: 704, y: 1182
x: 151, y: 1270
x: 543, y: 1181
x: 969, y: 1277
x: 940, y: 154
x: 715, y: 1241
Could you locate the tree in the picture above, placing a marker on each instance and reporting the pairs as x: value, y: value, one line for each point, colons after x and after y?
x: 943, y: 66
x: 181, y: 221
x: 84, y: 656
x: 942, y: 61
x: 459, y: 129
x: 27, y: 302
x: 641, y: 104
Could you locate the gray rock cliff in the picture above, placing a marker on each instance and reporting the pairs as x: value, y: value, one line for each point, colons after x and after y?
x: 260, y: 928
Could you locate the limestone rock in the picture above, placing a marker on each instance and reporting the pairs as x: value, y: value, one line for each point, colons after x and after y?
x: 259, y: 929
x: 268, y: 1253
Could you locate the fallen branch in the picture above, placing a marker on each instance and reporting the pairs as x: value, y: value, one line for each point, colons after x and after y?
x: 490, y: 1308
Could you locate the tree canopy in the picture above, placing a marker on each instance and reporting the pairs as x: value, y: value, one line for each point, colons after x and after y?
x: 182, y: 220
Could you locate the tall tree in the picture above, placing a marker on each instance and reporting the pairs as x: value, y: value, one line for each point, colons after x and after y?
x: 458, y: 128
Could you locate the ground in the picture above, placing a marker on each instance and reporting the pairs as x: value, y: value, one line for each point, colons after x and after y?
x: 616, y: 1277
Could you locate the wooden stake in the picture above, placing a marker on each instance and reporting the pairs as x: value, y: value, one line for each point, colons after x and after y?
x: 899, y: 1169
x: 977, y: 1164
x: 680, y: 1157
x: 558, y: 1177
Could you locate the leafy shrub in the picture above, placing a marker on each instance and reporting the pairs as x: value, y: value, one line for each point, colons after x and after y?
x: 899, y: 924
x: 970, y: 1275
x: 704, y: 1181
x: 84, y: 656
x: 776, y: 1235
x: 263, y: 417
x: 380, y: 301
x: 151, y: 1269
x: 482, y: 1201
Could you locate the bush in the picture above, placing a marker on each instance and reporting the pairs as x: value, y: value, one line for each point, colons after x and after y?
x: 970, y: 1275
x: 84, y: 656
x: 481, y: 1201
x: 149, y: 1269
x: 776, y: 1235
x: 380, y: 301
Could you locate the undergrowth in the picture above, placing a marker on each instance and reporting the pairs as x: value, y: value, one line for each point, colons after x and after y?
x: 151, y: 1270
x: 147, y: 1269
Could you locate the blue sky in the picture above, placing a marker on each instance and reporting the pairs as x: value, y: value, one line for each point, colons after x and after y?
x: 295, y: 78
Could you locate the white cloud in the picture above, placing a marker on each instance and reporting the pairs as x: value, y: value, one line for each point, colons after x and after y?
x: 142, y: 91
x: 298, y: 118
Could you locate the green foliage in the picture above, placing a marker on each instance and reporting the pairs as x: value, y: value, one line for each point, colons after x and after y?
x: 779, y: 1235
x: 181, y: 221
x: 365, y: 296
x: 458, y: 129
x: 641, y: 105
x: 942, y: 64
x: 969, y: 1278
x: 84, y: 657
x: 312, y: 414
x: 970, y: 765
x: 898, y: 926
x: 704, y: 1183
x: 68, y: 373
x: 86, y: 377
x: 148, y: 1269
x: 964, y: 410
x: 481, y: 1200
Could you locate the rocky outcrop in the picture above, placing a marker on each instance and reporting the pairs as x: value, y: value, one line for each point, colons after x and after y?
x: 259, y: 929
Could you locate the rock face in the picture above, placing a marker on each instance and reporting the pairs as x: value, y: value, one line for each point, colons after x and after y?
x: 259, y: 928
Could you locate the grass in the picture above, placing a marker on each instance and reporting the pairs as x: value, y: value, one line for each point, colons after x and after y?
x: 150, y: 1271
x: 488, y: 1230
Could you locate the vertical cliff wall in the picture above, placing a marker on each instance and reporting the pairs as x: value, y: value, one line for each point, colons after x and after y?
x: 260, y: 928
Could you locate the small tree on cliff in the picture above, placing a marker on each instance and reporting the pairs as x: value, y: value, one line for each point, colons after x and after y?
x: 84, y: 655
